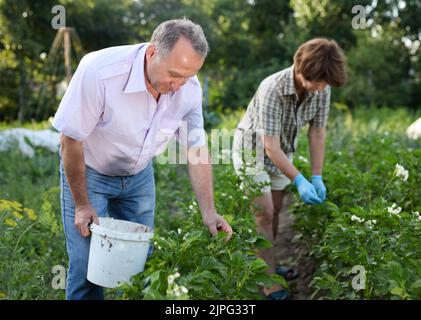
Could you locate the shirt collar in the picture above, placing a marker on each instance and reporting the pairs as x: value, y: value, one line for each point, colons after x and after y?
x: 289, y: 88
x: 136, y: 82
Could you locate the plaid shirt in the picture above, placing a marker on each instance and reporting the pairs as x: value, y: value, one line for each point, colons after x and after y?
x: 273, y: 111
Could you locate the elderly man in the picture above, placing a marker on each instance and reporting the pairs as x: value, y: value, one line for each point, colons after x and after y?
x: 111, y: 117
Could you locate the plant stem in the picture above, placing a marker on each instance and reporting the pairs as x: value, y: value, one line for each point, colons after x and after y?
x: 387, y: 185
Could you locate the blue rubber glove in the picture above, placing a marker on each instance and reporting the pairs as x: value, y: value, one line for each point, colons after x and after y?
x: 306, y: 190
x: 317, y: 182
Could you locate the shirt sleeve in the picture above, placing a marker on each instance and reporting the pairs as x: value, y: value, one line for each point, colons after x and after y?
x: 269, y: 109
x: 82, y: 104
x: 192, y: 132
x: 321, y: 116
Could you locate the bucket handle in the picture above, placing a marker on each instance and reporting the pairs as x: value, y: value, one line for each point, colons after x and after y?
x: 90, y: 226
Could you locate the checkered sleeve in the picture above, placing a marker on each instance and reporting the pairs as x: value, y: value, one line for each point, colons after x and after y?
x: 320, y: 119
x: 269, y: 109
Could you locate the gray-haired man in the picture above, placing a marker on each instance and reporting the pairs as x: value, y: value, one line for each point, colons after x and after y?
x: 118, y: 103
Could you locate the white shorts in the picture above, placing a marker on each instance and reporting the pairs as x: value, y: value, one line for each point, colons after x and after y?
x: 275, y: 181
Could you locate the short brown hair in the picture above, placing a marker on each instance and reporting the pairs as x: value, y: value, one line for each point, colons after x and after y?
x: 321, y: 60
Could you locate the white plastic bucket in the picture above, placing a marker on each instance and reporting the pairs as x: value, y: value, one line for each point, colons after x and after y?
x: 118, y: 251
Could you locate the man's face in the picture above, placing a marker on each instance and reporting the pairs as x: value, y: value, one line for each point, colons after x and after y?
x: 169, y: 73
x: 311, y: 85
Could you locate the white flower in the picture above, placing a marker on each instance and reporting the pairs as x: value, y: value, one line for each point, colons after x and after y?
x: 179, y: 231
x: 170, y: 279
x: 159, y: 247
x: 303, y: 159
x: 401, y: 172
x: 417, y: 215
x: 370, y: 223
x: 176, y: 275
x: 184, y: 289
x: 394, y: 209
x: 357, y: 219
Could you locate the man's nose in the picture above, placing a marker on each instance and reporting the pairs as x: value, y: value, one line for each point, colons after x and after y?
x: 175, y: 86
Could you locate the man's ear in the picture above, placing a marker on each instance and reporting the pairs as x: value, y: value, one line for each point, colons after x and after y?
x: 150, y: 52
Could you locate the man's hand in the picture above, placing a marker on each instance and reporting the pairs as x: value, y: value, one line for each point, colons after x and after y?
x: 216, y: 223
x: 84, y: 215
x: 317, y: 182
x: 200, y: 173
x: 306, y: 190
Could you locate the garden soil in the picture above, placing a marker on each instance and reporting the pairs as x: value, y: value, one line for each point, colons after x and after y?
x: 291, y: 253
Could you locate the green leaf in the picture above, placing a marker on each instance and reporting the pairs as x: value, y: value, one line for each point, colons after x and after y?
x: 263, y: 243
x: 258, y: 265
x: 229, y: 218
x: 280, y: 280
x: 397, y: 291
x: 416, y: 284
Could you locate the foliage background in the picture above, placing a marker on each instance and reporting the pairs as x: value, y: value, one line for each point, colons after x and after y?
x: 249, y: 39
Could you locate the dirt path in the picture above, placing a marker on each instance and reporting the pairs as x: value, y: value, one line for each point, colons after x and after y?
x: 290, y: 253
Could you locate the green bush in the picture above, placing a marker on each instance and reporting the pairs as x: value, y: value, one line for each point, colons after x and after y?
x: 207, y: 268
x: 357, y: 226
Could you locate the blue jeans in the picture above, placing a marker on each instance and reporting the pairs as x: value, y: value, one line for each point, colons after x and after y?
x: 129, y: 198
